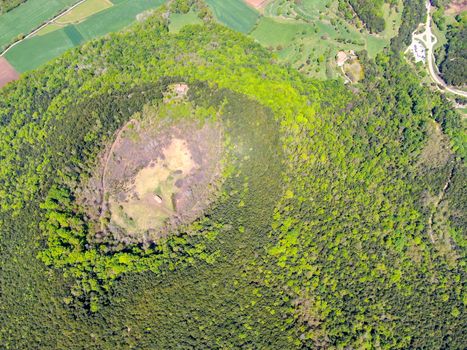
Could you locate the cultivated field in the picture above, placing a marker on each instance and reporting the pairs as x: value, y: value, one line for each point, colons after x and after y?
x: 234, y: 14
x: 37, y: 50
x: 7, y: 72
x: 84, y: 10
x: 258, y: 4
x: 52, y: 42
x: 30, y: 15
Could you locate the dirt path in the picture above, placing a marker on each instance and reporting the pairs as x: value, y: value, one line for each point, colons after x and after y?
x: 42, y: 26
x: 440, y: 198
x: 107, y: 157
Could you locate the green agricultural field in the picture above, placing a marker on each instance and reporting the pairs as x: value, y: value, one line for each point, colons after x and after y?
x: 84, y: 10
x: 234, y: 14
x: 179, y: 20
x: 115, y: 18
x: 49, y: 28
x: 30, y: 15
x: 35, y: 51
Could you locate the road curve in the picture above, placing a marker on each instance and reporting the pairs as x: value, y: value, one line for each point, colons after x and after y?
x: 429, y: 40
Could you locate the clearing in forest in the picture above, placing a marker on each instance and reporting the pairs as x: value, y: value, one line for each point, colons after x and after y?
x: 155, y: 176
x: 179, y: 20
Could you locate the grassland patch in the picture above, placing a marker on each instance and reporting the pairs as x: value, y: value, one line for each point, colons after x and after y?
x: 271, y: 31
x: 179, y: 20
x: 49, y: 28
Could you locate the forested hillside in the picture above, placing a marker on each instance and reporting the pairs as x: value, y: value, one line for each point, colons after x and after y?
x: 370, y: 13
x: 339, y: 223
x: 454, y: 53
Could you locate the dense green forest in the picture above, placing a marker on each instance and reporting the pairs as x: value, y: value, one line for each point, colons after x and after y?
x: 413, y: 13
x: 452, y: 58
x: 7, y: 5
x: 341, y: 222
x: 370, y: 12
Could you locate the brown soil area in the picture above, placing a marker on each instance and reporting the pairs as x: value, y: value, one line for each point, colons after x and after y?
x: 153, y: 178
x: 7, y: 72
x: 257, y: 4
x: 354, y: 70
x: 457, y: 6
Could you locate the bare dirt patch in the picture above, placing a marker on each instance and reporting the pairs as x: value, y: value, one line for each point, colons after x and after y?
x: 155, y: 176
x: 456, y: 7
x: 258, y: 4
x: 437, y: 151
x: 353, y: 70
x: 7, y: 72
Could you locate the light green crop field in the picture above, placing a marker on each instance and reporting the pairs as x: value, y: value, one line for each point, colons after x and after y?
x: 178, y: 21
x: 49, y: 28
x: 50, y: 43
x: 234, y: 14
x: 25, y: 18
x: 115, y: 18
x: 86, y: 9
x: 37, y: 50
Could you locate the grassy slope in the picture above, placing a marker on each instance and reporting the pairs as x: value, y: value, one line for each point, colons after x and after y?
x: 271, y: 32
x: 30, y: 15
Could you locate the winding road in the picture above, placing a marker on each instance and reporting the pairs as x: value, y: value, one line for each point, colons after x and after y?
x: 429, y: 40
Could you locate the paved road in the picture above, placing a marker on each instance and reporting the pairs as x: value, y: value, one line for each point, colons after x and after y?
x: 429, y: 40
x: 42, y: 26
